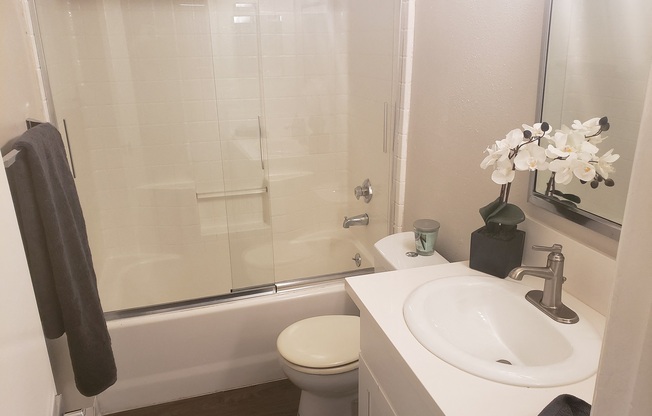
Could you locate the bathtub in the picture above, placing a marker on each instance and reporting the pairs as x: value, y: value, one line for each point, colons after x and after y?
x: 173, y: 355
x: 133, y: 281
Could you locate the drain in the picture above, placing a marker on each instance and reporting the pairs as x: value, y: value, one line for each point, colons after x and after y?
x: 411, y: 254
x: 504, y: 362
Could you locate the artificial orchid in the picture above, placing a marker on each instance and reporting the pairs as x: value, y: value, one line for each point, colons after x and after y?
x: 571, y: 153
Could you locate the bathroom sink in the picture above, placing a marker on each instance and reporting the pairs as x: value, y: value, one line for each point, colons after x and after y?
x: 485, y: 327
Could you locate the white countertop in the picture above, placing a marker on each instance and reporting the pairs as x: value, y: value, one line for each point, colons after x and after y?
x: 456, y: 392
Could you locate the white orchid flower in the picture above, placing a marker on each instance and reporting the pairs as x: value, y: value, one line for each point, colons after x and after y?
x: 571, y: 142
x: 596, y: 139
x: 589, y: 130
x: 500, y: 150
x: 583, y: 170
x: 497, y: 151
x: 587, y: 151
x: 604, y: 163
x: 562, y: 146
x: 514, y: 138
x: 563, y: 169
x: 531, y: 157
x: 592, y: 125
x: 504, y: 172
x: 536, y: 130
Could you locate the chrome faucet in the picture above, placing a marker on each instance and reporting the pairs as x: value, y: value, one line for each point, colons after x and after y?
x: 548, y: 300
x: 362, y: 219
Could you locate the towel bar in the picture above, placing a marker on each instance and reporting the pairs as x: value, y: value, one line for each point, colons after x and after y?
x: 10, y: 158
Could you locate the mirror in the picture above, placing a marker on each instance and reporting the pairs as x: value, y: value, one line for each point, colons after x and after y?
x: 596, y: 62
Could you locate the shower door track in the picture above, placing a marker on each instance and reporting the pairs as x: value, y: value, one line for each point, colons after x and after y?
x: 236, y: 294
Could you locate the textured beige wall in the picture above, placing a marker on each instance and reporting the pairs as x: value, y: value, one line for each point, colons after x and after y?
x: 475, y: 78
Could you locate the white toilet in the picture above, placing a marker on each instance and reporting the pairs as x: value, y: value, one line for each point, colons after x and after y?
x: 320, y: 354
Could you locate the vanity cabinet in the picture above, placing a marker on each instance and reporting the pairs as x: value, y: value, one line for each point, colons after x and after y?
x: 372, y: 400
x: 387, y: 386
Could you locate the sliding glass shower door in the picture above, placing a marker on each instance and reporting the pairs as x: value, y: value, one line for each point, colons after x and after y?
x: 217, y: 143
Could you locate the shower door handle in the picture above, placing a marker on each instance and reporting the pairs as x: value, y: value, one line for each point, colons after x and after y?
x: 385, y: 121
x: 260, y: 143
x: 72, y: 163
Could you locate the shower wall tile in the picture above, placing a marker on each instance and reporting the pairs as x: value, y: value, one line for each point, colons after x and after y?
x: 401, y: 139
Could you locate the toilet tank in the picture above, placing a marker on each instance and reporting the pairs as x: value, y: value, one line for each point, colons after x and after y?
x: 390, y: 254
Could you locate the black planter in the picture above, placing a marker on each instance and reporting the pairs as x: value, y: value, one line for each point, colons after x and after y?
x: 496, y: 252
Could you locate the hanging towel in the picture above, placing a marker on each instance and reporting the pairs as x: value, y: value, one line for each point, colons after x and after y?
x: 59, y: 257
x: 567, y: 405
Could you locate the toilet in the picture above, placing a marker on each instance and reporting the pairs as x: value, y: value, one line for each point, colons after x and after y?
x: 319, y: 355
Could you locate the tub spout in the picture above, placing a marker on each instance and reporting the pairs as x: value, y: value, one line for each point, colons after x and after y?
x: 362, y: 219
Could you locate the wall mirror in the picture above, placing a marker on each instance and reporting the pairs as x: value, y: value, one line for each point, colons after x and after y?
x: 596, y: 61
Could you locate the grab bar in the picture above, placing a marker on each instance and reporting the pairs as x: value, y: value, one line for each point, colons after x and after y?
x: 235, y: 192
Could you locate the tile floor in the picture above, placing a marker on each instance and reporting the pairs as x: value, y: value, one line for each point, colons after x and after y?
x: 279, y: 398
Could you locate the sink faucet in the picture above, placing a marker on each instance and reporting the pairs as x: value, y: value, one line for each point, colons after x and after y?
x: 548, y: 300
x: 362, y: 219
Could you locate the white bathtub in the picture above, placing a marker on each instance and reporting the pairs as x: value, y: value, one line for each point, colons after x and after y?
x: 174, y: 355
x: 150, y: 279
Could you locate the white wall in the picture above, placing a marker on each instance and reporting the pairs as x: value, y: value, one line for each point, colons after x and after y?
x: 625, y: 375
x: 26, y: 382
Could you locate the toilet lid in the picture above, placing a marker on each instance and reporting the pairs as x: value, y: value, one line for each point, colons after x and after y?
x: 322, y: 341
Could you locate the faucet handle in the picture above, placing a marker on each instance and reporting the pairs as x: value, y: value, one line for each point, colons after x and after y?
x: 555, y: 248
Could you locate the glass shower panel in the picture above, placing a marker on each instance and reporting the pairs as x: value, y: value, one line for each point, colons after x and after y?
x: 238, y: 82
x: 328, y: 109
x: 217, y: 143
x: 134, y: 86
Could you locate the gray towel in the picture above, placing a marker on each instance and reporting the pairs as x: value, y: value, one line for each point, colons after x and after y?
x: 59, y: 257
x: 567, y: 405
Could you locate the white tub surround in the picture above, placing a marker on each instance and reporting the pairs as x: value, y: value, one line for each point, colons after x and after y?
x: 403, y: 378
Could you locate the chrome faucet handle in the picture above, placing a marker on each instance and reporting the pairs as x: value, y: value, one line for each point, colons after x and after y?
x: 555, y: 248
x: 364, y: 191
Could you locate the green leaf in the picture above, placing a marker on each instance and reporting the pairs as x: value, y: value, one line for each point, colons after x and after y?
x: 509, y: 214
x: 491, y: 208
x: 571, y: 197
x: 568, y: 203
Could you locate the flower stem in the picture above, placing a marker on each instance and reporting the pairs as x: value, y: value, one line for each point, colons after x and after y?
x: 550, y: 186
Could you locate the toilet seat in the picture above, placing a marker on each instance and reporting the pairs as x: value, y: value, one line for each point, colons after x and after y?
x: 321, y: 371
x: 327, y: 344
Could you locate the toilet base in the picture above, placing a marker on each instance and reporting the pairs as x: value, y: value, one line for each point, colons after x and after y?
x: 312, y: 405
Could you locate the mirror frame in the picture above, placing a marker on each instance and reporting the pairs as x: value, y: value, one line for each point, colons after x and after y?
x: 587, y: 219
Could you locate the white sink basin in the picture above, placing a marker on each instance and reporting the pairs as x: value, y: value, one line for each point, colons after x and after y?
x: 486, y: 327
